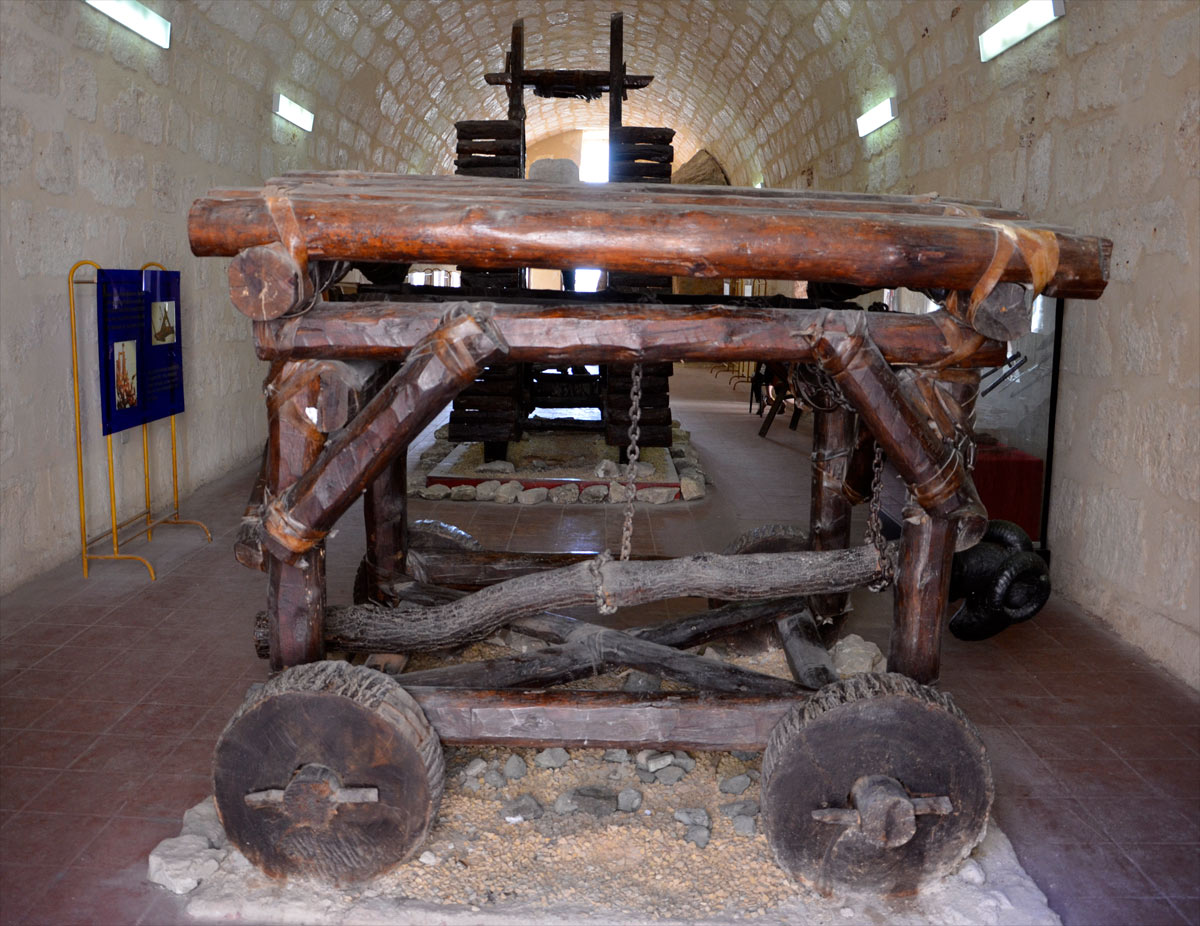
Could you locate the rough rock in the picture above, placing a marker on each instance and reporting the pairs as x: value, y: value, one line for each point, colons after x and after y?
x: 524, y: 807
x: 463, y: 493
x: 599, y: 802
x: 486, y: 491
x: 434, y: 492
x: 629, y: 800
x: 607, y: 469
x: 740, y: 809
x: 202, y: 820
x: 533, y: 496
x: 744, y: 826
x: 180, y: 863
x: 507, y: 493
x: 852, y: 655
x: 496, y: 466
x: 655, y: 761
x: 515, y: 768
x: 694, y: 816
x: 475, y: 768
x: 565, y: 494
x: 616, y: 755
x: 471, y: 784
x: 428, y: 858
x: 641, y: 470
x: 703, y: 168
x: 494, y: 778
x: 555, y: 757
x: 735, y: 785
x: 647, y: 778
x: 683, y: 760
x: 593, y: 494
x: 656, y: 495
x: 443, y: 433
x: 617, y: 493
x: 641, y: 681
x: 669, y: 775
x: 565, y: 803
x: 691, y: 486
x: 744, y: 756
x: 698, y: 835
x: 971, y: 872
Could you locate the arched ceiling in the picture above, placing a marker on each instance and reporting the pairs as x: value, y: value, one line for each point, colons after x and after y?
x: 732, y: 76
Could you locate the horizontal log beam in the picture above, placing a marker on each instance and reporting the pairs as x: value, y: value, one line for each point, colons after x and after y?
x: 701, y: 722
x: 474, y: 226
x: 622, y: 584
x: 617, y: 333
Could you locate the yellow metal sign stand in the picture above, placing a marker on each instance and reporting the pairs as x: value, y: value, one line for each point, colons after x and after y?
x: 171, y: 518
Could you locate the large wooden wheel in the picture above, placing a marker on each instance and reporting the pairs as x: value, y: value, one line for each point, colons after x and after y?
x: 329, y: 771
x: 875, y: 784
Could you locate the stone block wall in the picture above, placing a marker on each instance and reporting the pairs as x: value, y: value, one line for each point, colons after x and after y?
x: 1093, y: 123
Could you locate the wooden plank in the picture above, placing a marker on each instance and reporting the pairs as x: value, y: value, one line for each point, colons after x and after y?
x: 504, y: 146
x: 806, y: 655
x: 642, y: 135
x: 488, y: 128
x: 471, y: 163
x: 626, y: 151
x: 601, y: 719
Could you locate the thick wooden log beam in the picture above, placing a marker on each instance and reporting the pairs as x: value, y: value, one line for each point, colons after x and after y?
x: 247, y: 549
x: 806, y: 655
x: 601, y: 719
x: 475, y: 569
x: 476, y: 616
x: 460, y: 226
x: 623, y: 333
x: 830, y: 508
x: 435, y: 372
x: 935, y: 473
x: 919, y: 608
x: 591, y: 650
x: 385, y: 512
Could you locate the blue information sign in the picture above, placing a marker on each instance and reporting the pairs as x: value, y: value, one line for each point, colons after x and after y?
x: 141, y: 352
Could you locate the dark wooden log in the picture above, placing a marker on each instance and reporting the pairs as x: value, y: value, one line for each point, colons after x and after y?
x: 600, y: 719
x: 804, y: 649
x: 935, y: 472
x: 641, y: 135
x: 488, y: 128
x: 385, y: 511
x: 458, y: 226
x: 568, y: 84
x: 267, y: 281
x: 919, y: 609
x: 247, y: 549
x: 625, y: 151
x: 838, y: 747
x: 294, y: 521
x: 639, y: 171
x: 328, y: 771
x: 490, y: 170
x: 621, y: 333
x: 504, y: 146
x: 616, y: 72
x: 469, y: 163
x: 295, y: 591
x: 591, y: 650
x: 830, y: 508
x: 473, y: 570
x: 622, y: 584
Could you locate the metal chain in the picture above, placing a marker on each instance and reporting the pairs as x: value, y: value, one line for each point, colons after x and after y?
x: 884, y: 571
x: 635, y: 432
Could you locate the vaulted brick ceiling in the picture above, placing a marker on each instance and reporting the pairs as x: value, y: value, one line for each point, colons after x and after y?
x: 732, y: 76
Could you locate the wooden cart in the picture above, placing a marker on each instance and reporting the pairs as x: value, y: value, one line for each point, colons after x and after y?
x: 876, y: 782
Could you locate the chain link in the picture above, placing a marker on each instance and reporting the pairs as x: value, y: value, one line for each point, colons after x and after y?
x: 884, y: 570
x: 632, y: 452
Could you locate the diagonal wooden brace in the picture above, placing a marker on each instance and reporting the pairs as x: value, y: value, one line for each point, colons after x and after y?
x: 933, y: 470
x: 437, y: 369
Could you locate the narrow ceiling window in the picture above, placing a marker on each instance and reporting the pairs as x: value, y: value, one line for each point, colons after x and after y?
x: 1017, y: 26
x: 138, y: 17
x: 876, y: 117
x: 293, y: 112
x: 593, y: 168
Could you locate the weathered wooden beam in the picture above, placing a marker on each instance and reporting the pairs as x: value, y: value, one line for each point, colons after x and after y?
x: 830, y: 508
x: 488, y: 128
x: 475, y: 569
x: 623, y: 584
x: 621, y: 333
x: 806, y: 655
x: 919, y: 609
x: 601, y: 719
x: 247, y: 549
x: 295, y: 520
x: 567, y: 83
x: 461, y: 226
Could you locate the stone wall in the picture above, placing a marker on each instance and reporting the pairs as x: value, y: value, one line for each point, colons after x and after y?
x: 1091, y: 123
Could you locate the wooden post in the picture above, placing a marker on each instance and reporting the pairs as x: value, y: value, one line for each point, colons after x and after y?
x: 616, y: 73
x: 385, y: 510
x: 922, y: 583
x: 829, y: 515
x: 516, y: 88
x: 295, y: 592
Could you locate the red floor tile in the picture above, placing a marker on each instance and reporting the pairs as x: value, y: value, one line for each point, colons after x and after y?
x: 165, y: 796
x: 77, y: 791
x: 126, y: 841
x: 40, y: 838
x: 77, y: 900
x: 46, y: 748
x: 125, y: 754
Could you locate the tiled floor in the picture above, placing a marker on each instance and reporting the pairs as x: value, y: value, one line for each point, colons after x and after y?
x: 114, y: 689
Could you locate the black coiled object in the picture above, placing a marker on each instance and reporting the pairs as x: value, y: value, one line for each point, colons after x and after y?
x: 1001, y: 581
